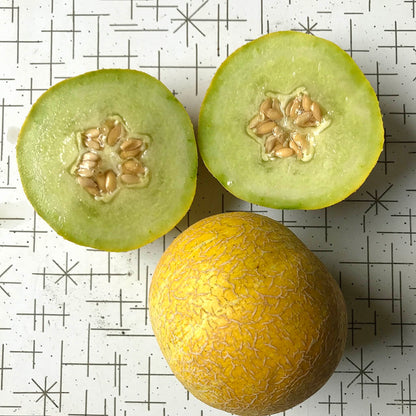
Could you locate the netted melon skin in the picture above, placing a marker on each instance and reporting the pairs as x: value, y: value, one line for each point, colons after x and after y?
x: 248, y: 319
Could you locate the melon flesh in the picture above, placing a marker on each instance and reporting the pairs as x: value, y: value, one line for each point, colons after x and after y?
x: 47, y: 149
x: 279, y: 63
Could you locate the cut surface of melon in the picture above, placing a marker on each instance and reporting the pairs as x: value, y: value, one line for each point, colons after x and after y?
x: 277, y: 64
x: 48, y: 148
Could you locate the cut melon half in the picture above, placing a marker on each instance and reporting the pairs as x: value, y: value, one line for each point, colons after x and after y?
x: 290, y: 121
x: 109, y: 159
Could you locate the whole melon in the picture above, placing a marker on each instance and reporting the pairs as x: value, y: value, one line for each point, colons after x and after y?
x: 249, y: 320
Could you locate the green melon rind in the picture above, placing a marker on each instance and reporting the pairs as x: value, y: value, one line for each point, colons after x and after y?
x: 46, y: 150
x: 280, y: 62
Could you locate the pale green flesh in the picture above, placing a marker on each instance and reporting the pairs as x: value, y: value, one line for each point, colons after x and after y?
x: 345, y: 152
x: 47, y: 149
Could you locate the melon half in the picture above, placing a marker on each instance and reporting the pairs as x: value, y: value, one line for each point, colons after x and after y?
x: 108, y: 159
x: 289, y: 160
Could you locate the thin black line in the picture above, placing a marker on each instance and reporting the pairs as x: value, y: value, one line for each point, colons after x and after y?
x: 138, y: 264
x: 196, y: 69
x: 119, y: 374
x: 148, y: 383
x: 368, y: 271
x: 261, y: 16
x: 98, y: 42
x: 130, y: 335
x: 121, y: 308
x: 18, y: 35
x: 73, y: 37
x: 2, y: 130
x: 88, y: 349
x: 401, y: 312
x: 51, y: 54
x: 227, y: 14
x: 140, y: 30
x: 2, y: 368
x: 218, y: 29
x: 146, y: 296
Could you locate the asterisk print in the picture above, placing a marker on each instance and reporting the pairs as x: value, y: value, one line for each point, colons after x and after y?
x: 3, y: 282
x: 44, y: 394
x: 191, y: 19
x: 310, y: 28
x: 375, y: 200
x: 360, y: 371
x: 66, y: 273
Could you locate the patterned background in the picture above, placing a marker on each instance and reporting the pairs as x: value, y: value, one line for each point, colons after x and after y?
x: 75, y: 337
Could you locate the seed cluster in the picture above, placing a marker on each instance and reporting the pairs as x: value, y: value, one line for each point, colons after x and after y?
x: 100, y: 176
x: 284, y: 129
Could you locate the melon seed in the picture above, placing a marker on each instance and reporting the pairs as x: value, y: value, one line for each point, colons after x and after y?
x: 316, y: 111
x: 85, y: 172
x: 130, y: 179
x: 100, y: 178
x: 296, y: 149
x: 130, y: 153
x: 265, y: 127
x: 132, y: 166
x: 277, y: 147
x: 90, y: 156
x: 300, y: 140
x: 295, y: 108
x: 131, y: 144
x: 110, y: 181
x: 92, y: 144
x: 92, y: 190
x: 86, y: 182
x: 274, y: 114
x: 92, y: 133
x: 104, y: 129
x: 306, y: 102
x: 114, y: 135
x: 88, y: 164
x: 253, y: 122
x: 270, y: 143
x: 266, y: 105
x: 284, y: 152
x: 289, y: 107
x: 277, y: 130
x: 303, y: 118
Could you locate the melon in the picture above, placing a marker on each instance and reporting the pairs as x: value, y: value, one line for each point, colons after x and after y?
x: 289, y: 121
x: 248, y: 318
x: 108, y: 159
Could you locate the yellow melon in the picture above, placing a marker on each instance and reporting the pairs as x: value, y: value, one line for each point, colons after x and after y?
x: 249, y: 320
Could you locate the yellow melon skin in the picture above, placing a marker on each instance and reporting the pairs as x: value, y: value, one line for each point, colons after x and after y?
x: 248, y: 319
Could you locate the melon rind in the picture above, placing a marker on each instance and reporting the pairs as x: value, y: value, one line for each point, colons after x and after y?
x: 249, y: 320
x: 281, y: 62
x: 47, y: 150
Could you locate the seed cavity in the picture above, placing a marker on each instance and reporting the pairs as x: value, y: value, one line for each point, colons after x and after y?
x: 110, y: 158
x: 286, y: 125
